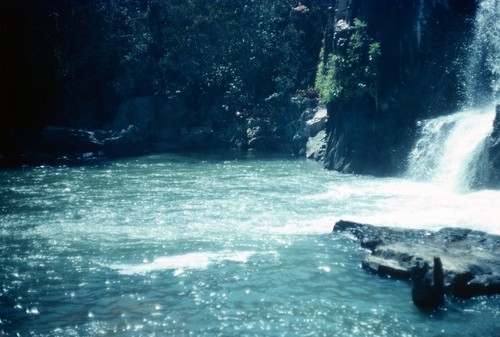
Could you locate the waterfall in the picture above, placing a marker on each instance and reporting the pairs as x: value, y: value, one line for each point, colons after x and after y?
x: 450, y: 150
x: 482, y: 71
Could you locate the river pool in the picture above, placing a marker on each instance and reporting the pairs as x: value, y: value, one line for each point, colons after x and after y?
x: 218, y: 245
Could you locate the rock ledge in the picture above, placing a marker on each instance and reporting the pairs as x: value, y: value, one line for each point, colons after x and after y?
x: 470, y: 259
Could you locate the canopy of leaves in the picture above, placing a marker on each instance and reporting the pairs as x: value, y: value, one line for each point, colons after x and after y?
x: 79, y: 59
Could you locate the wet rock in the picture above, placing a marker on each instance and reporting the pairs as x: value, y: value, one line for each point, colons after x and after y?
x: 137, y: 111
x: 428, y: 285
x: 494, y: 152
x: 157, y: 117
x: 128, y: 141
x: 363, y: 135
x: 470, y: 259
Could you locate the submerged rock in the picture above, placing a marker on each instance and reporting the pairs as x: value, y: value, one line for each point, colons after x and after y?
x: 470, y: 259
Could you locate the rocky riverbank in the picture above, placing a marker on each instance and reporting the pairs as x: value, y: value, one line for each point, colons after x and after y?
x: 470, y: 259
x: 140, y: 128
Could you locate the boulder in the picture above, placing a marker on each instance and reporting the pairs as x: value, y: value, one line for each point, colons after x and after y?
x: 316, y: 146
x: 128, y: 141
x: 470, y: 259
x: 297, y: 132
x: 317, y: 123
x: 158, y: 118
x: 236, y: 134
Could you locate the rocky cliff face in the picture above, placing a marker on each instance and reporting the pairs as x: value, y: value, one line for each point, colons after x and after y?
x: 494, y: 152
x: 422, y: 46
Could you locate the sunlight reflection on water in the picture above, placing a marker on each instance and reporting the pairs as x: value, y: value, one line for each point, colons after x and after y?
x: 169, y: 245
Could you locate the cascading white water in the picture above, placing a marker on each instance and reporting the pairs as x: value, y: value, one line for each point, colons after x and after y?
x: 482, y: 71
x: 450, y: 150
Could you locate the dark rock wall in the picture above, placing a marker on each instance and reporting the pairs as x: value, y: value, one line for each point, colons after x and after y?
x: 494, y: 152
x: 422, y: 47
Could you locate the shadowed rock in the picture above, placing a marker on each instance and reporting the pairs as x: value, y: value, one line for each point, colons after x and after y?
x: 426, y: 294
x: 70, y: 141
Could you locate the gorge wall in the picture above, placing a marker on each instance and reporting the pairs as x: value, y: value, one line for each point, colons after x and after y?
x: 422, y: 50
x: 493, y: 148
x: 107, y: 79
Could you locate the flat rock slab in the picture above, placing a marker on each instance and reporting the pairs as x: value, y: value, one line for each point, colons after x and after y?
x: 471, y: 259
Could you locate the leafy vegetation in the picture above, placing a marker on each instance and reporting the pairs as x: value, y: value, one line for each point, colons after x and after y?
x: 351, y: 71
x: 208, y: 62
x: 79, y: 59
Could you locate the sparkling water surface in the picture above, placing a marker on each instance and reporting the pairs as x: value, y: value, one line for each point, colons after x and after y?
x: 212, y: 245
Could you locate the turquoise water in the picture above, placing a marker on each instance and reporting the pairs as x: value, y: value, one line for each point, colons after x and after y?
x: 210, y: 245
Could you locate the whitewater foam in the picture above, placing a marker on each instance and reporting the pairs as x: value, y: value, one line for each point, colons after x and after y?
x: 180, y: 263
x: 448, y: 149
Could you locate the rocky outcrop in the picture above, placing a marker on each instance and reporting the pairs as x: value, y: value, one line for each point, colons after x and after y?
x: 64, y: 139
x: 157, y: 118
x: 192, y: 99
x: 420, y: 41
x: 167, y: 125
x: 470, y: 259
x: 316, y: 146
x: 317, y: 123
x: 316, y: 131
x: 83, y: 144
x: 494, y: 152
x: 259, y: 134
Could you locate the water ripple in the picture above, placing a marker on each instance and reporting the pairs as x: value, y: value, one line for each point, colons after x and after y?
x: 175, y: 245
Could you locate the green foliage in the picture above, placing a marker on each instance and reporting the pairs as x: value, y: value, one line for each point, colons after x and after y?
x: 351, y: 73
x: 82, y: 58
x: 237, y: 51
x: 327, y: 81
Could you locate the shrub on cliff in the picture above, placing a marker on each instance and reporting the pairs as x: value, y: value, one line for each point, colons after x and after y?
x: 351, y: 69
